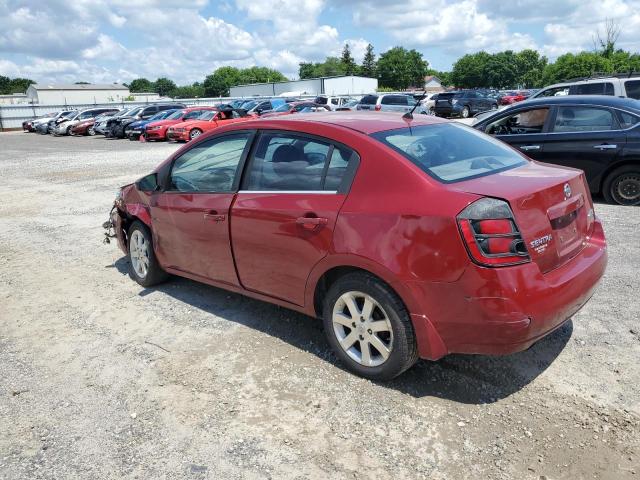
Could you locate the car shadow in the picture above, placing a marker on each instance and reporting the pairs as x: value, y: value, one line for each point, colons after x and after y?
x: 470, y: 379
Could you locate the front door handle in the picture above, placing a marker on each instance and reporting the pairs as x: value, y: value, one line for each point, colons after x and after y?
x: 214, y: 216
x: 526, y: 148
x: 311, y: 223
x: 605, y: 146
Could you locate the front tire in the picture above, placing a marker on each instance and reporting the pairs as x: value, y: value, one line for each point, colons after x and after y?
x: 143, y: 264
x: 195, y: 133
x: 368, y: 327
x: 91, y: 131
x: 622, y: 186
x: 465, y: 112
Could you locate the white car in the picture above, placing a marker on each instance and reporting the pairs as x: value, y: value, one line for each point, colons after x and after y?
x: 333, y: 102
x: 622, y: 85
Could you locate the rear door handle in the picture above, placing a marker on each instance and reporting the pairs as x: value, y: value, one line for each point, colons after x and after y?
x: 605, y: 146
x: 526, y: 148
x: 311, y: 223
x: 214, y: 216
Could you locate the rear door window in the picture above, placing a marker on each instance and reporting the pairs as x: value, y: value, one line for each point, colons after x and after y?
x: 599, y: 88
x: 292, y: 162
x: 583, y: 119
x: 633, y: 88
x: 627, y: 119
x: 451, y: 152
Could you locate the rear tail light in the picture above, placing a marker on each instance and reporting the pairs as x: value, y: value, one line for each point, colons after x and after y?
x: 377, y: 108
x: 491, y: 235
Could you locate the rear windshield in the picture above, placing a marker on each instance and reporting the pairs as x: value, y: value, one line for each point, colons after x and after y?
x: 451, y: 152
x: 369, y: 100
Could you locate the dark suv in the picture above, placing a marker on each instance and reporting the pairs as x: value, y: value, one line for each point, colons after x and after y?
x: 464, y: 103
x: 116, y: 125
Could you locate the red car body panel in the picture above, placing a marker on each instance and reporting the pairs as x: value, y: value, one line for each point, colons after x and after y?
x: 180, y: 131
x: 82, y: 127
x: 509, y: 99
x: 395, y: 222
x: 158, y: 130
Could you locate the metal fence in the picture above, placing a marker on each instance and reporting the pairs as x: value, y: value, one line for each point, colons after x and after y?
x: 12, y: 116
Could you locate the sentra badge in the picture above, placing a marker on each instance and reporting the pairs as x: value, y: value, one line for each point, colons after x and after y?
x: 540, y: 244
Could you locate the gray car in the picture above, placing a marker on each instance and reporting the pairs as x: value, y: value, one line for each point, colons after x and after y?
x: 390, y: 102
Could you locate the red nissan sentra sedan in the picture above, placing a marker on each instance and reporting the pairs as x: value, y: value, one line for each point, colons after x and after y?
x: 409, y: 238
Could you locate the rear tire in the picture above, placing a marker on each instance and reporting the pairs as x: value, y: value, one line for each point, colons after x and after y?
x: 91, y: 131
x: 143, y: 264
x: 622, y: 186
x: 368, y: 327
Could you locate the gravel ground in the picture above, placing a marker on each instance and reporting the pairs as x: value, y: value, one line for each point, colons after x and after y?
x: 102, y: 379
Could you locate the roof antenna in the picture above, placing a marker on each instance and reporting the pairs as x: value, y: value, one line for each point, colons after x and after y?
x: 409, y: 115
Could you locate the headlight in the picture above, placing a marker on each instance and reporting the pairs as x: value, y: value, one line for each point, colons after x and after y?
x: 453, y: 102
x: 154, y: 128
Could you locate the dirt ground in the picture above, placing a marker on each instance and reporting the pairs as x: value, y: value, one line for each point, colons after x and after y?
x: 103, y: 379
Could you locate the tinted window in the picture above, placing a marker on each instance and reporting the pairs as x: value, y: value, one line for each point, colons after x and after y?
x: 583, y: 119
x: 633, y: 89
x: 451, y: 152
x: 395, y: 100
x: 194, y: 114
x: 554, y: 92
x: 321, y: 100
x: 529, y: 121
x: 210, y: 166
x: 604, y: 88
x: 284, y: 162
x: 628, y: 120
x: 369, y: 100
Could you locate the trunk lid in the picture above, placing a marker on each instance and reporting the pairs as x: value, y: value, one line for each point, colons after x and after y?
x: 551, y: 205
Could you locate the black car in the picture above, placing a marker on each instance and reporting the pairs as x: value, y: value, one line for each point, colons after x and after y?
x: 597, y: 134
x: 116, y: 125
x: 463, y: 103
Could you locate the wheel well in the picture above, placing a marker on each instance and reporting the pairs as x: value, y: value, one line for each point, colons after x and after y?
x: 612, y: 168
x: 331, y: 276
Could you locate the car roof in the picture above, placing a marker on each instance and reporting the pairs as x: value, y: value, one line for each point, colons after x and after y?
x: 602, y: 100
x: 364, y: 122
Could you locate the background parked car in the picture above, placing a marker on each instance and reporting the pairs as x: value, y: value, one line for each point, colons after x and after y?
x: 623, y: 85
x: 389, y: 102
x: 44, y: 126
x: 30, y: 125
x: 100, y: 125
x: 157, y: 130
x: 463, y: 103
x: 64, y: 127
x: 348, y: 106
x: 85, y: 126
x: 333, y: 102
x: 137, y: 128
x: 294, y: 107
x: 116, y: 126
x: 597, y: 134
x: 513, y: 97
x: 210, y: 120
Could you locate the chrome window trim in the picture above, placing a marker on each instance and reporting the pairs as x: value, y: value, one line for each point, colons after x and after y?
x: 314, y: 192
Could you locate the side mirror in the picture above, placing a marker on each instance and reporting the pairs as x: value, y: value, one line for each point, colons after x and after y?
x: 148, y: 183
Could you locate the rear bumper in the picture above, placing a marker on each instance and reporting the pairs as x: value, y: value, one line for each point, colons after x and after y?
x: 498, y: 311
x: 448, y: 111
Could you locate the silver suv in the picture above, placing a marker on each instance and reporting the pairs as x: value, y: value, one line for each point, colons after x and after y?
x: 623, y: 85
x: 390, y: 102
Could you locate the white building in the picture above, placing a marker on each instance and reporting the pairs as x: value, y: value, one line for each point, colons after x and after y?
x: 433, y: 84
x: 345, y: 85
x: 13, y: 99
x: 145, y: 96
x: 62, y: 94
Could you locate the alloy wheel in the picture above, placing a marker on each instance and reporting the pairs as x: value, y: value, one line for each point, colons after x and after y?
x: 194, y: 133
x: 139, y: 253
x: 362, y: 328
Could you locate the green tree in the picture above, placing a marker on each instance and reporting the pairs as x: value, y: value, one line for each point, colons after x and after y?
x: 20, y: 85
x: 164, y: 86
x: 189, y: 91
x: 400, y: 68
x: 4, y: 85
x: 469, y: 70
x: 347, y: 60
x: 261, y: 75
x: 369, y: 66
x: 529, y: 68
x: 572, y: 65
x: 218, y: 83
x: 306, y: 70
x: 142, y: 85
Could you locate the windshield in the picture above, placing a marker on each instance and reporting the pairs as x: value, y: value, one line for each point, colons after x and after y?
x: 208, y: 115
x: 249, y: 105
x: 161, y: 115
x: 451, y: 152
x: 283, y: 108
x: 176, y: 115
x: 134, y: 112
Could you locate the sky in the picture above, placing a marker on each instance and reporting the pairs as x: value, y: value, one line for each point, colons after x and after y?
x: 105, y: 41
